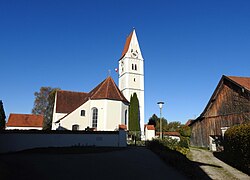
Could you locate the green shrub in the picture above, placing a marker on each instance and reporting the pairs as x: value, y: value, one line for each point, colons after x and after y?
x: 184, y: 142
x: 167, y: 144
x: 237, y: 145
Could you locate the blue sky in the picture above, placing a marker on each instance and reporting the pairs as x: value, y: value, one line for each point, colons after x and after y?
x: 187, y: 46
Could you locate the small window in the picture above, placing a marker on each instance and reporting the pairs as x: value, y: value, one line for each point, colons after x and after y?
x: 135, y: 67
x: 75, y: 127
x: 82, y: 112
x: 134, y: 79
x: 132, y: 66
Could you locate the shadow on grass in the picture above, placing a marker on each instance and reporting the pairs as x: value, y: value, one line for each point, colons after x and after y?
x: 236, y: 162
x: 190, y: 169
x: 180, y: 162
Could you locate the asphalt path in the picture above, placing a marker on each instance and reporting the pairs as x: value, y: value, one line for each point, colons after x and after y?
x: 130, y: 163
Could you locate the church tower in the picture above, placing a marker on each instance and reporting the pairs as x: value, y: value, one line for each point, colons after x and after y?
x: 131, y: 73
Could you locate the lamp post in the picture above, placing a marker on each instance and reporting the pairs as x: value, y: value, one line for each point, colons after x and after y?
x: 160, y: 106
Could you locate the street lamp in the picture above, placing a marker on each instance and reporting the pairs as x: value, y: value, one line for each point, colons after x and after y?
x: 160, y: 106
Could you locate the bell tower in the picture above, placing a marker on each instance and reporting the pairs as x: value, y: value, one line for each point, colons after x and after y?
x: 131, y: 73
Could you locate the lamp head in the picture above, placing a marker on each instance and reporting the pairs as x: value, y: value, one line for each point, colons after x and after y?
x: 160, y: 104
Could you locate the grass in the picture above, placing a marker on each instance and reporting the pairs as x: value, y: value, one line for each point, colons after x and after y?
x: 177, y: 160
x: 237, y: 163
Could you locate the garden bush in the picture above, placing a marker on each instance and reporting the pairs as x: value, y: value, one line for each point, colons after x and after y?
x: 237, y: 146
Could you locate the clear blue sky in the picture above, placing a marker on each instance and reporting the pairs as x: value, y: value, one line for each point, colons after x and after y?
x: 187, y: 47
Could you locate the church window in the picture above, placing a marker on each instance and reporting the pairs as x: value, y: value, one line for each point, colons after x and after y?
x: 134, y: 79
x: 75, y: 127
x: 82, y: 112
x: 126, y: 116
x: 135, y: 67
x: 94, y: 117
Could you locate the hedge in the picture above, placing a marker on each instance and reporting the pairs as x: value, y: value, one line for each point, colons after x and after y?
x: 237, y: 145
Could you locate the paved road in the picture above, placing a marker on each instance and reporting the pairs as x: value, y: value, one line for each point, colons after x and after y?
x: 131, y: 163
x: 215, y: 168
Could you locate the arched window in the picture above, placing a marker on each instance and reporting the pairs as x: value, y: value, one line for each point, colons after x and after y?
x: 75, y: 127
x: 126, y: 116
x: 132, y: 66
x: 94, y: 117
x: 135, y: 67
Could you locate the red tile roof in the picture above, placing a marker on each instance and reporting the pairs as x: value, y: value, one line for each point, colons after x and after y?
x: 126, y: 46
x: 68, y: 101
x: 169, y: 133
x: 243, y: 81
x: 122, y: 126
x: 150, y: 127
x: 25, y: 120
x: 107, y: 89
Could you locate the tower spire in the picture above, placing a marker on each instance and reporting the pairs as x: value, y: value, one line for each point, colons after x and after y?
x: 131, y: 72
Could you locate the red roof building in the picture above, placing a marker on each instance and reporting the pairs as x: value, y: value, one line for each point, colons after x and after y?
x: 24, y: 121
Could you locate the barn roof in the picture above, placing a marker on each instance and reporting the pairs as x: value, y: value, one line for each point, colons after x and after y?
x: 241, y: 82
x: 25, y: 120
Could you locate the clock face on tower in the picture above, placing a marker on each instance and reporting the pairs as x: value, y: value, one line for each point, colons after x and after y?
x: 134, y: 53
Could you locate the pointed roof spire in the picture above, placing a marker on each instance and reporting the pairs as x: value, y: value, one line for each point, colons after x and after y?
x: 131, y: 45
x: 127, y: 43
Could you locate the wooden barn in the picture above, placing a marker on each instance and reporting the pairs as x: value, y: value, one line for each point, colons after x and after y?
x: 228, y: 106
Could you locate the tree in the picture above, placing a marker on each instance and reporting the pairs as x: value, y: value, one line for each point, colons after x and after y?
x: 174, y: 126
x: 2, y: 116
x: 44, y: 105
x: 48, y: 115
x: 154, y: 120
x: 185, y: 131
x: 134, y: 114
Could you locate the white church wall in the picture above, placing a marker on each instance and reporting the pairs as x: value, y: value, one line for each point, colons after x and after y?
x: 114, y: 114
x: 101, y: 120
x: 57, y: 116
x: 110, y: 115
x: 75, y: 118
x: 124, y: 118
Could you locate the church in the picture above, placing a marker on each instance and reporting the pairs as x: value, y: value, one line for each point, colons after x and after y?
x: 105, y: 107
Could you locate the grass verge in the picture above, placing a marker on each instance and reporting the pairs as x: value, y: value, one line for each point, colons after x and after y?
x: 177, y: 160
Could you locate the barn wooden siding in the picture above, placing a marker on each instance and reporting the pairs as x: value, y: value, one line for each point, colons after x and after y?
x: 229, y: 105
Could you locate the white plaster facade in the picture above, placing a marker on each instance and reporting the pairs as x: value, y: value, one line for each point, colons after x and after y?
x: 110, y: 114
x: 149, y: 133
x: 103, y: 109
